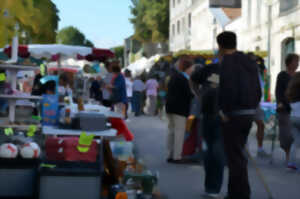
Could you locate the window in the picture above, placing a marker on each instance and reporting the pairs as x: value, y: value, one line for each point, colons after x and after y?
x: 178, y: 27
x: 173, y: 30
x: 190, y: 20
x: 286, y: 5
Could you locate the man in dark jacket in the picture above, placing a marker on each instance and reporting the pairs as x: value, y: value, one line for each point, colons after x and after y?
x: 214, y: 158
x: 239, y: 96
x: 178, y: 104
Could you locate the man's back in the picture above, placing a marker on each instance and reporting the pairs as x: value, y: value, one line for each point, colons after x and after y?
x: 239, y: 83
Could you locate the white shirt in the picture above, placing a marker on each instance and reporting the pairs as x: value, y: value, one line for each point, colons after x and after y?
x: 129, y: 86
x: 295, y: 109
x: 138, y: 85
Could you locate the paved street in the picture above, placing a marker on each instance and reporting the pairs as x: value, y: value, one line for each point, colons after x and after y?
x: 186, y: 181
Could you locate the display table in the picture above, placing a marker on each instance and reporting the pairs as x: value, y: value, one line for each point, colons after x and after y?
x: 50, y: 130
x: 78, y: 180
x: 18, y: 178
x: 13, y: 69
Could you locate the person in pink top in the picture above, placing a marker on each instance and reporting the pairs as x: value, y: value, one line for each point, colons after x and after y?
x: 151, y: 92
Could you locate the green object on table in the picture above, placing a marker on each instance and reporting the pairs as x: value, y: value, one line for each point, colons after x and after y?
x: 43, y: 69
x: 9, y: 131
x: 50, y: 166
x: 2, y: 77
x: 84, y: 143
x: 31, y: 130
x: 38, y: 118
x: 147, y: 180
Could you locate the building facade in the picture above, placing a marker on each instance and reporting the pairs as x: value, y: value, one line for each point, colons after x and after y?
x: 194, y: 26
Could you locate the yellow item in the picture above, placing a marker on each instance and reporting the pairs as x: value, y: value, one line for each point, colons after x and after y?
x: 190, y: 122
x: 8, y: 131
x: 2, y: 77
x: 84, y: 143
x: 31, y: 130
x: 42, y: 70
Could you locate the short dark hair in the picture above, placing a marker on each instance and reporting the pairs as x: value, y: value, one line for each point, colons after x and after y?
x: 127, y: 73
x: 184, y: 64
x: 227, y: 40
x: 290, y: 58
x: 116, y: 68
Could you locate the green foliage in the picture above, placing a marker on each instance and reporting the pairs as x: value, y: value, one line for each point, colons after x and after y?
x: 72, y: 36
x: 38, y: 18
x: 119, y: 51
x: 150, y: 20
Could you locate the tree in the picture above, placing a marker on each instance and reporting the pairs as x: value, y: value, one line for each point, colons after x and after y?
x: 72, y: 36
x: 38, y: 18
x: 119, y: 53
x: 150, y: 20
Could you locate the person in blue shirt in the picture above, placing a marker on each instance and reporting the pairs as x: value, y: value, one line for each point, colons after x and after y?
x: 118, y: 88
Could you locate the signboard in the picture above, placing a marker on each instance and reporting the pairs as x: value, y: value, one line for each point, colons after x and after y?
x: 50, y: 107
x: 225, y: 3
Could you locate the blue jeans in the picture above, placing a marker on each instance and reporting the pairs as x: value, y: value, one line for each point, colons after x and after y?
x: 214, y: 156
x: 136, y: 103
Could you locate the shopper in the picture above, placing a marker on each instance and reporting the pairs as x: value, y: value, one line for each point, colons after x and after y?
x: 138, y: 88
x: 260, y: 115
x: 129, y: 84
x: 214, y: 158
x: 118, y: 87
x: 95, y: 90
x: 178, y: 108
x: 283, y: 106
x: 106, y: 92
x: 151, y: 92
x: 239, y: 96
x: 294, y: 99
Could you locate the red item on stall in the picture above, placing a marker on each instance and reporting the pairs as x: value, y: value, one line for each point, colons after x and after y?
x: 65, y: 149
x: 71, y: 152
x: 54, y: 149
x: 121, y: 127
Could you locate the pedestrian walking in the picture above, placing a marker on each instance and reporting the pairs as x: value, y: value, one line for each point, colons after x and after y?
x: 118, y: 87
x: 260, y: 115
x: 214, y: 158
x: 239, y: 96
x: 106, y: 92
x: 129, y: 84
x: 151, y: 92
x: 283, y: 106
x: 138, y: 88
x: 178, y: 104
x: 293, y: 95
x: 95, y: 90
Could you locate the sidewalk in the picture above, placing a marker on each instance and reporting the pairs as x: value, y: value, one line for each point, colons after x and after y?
x: 186, y: 181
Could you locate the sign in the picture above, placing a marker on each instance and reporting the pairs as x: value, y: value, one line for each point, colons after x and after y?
x: 50, y: 110
x: 225, y: 3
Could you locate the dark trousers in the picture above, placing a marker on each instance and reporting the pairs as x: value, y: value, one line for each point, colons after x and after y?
x: 236, y: 133
x: 214, y: 156
x: 136, y: 103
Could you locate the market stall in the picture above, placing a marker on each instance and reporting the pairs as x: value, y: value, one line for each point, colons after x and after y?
x: 68, y: 147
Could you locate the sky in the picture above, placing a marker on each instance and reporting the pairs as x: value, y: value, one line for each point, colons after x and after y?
x: 104, y: 22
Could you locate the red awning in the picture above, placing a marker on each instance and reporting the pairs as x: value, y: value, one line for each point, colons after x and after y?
x: 96, y: 55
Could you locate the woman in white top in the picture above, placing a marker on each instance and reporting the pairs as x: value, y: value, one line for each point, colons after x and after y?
x: 293, y: 94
